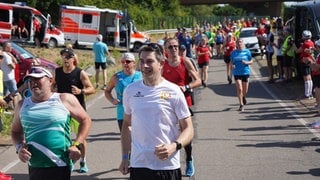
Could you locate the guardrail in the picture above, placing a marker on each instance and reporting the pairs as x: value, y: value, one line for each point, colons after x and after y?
x: 161, y: 31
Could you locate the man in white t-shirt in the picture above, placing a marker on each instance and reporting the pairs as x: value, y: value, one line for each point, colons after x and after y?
x: 7, y: 66
x: 157, y: 122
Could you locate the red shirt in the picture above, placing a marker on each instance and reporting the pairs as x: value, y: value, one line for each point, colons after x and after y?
x: 316, y: 73
x: 178, y: 75
x: 204, y: 57
x: 36, y: 25
x: 21, y: 24
x: 230, y: 46
x: 307, y: 44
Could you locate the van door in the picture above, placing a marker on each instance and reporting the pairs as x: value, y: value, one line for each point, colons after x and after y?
x: 6, y: 22
x: 89, y: 27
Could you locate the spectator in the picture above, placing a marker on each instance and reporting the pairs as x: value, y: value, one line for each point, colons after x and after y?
x: 288, y: 51
x: 36, y: 31
x: 241, y: 59
x: 46, y: 145
x: 179, y: 70
x: 101, y: 52
x: 157, y: 122
x: 71, y: 79
x: 269, y: 52
x: 306, y: 57
x: 119, y: 81
x: 23, y: 32
x: 7, y: 66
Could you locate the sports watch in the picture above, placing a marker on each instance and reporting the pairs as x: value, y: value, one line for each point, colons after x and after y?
x: 78, y: 145
x: 179, y: 146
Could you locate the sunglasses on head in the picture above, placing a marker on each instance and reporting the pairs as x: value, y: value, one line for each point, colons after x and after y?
x: 66, y: 57
x: 173, y: 46
x: 126, y: 61
x: 155, y: 47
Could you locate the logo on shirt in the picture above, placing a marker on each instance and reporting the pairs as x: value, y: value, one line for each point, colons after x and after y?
x: 165, y: 95
x: 138, y: 94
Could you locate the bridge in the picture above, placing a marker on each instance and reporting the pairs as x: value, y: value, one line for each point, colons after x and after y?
x: 258, y: 7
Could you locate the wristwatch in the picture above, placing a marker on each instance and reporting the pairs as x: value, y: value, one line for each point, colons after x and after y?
x: 18, y: 147
x: 78, y: 145
x: 82, y: 91
x: 179, y: 146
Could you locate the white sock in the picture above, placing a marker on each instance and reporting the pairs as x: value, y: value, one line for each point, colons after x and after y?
x: 83, y: 159
x: 310, y: 86
x: 306, y: 89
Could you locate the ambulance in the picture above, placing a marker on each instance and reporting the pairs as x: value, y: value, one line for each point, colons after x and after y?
x: 12, y: 14
x: 81, y: 25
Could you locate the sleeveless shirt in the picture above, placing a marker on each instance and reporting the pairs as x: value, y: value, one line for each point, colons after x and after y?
x: 47, y: 131
x: 123, y: 81
x: 179, y: 76
x: 65, y: 80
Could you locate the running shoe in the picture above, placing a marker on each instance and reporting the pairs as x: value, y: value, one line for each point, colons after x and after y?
x: 229, y: 80
x: 97, y: 86
x: 104, y: 87
x: 72, y: 167
x: 244, y: 100
x: 83, y: 167
x: 241, y: 108
x: 190, y: 168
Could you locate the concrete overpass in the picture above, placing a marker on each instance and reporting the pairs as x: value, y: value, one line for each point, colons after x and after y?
x: 258, y: 7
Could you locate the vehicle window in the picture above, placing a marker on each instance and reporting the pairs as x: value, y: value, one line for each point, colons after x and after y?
x: 247, y: 33
x: 4, y: 15
x: 24, y: 53
x: 87, y: 18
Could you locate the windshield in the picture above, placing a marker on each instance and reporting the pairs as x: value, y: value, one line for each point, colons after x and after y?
x: 247, y: 33
x: 24, y: 53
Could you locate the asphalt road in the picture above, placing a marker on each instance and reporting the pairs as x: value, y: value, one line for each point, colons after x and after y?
x: 269, y: 140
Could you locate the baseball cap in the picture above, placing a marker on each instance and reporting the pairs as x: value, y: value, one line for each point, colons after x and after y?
x: 230, y: 34
x: 38, y: 72
x: 67, y: 51
x: 317, y: 43
x: 182, y: 47
x: 128, y: 56
x: 160, y: 42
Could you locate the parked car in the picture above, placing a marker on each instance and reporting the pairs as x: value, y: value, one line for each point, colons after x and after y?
x: 250, y: 40
x: 25, y: 60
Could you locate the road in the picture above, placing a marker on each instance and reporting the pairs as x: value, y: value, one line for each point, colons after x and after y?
x: 269, y: 140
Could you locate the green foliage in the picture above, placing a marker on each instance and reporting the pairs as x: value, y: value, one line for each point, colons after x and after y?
x: 7, y: 119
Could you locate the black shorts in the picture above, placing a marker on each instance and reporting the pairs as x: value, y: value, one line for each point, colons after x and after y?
x: 203, y: 64
x: 102, y: 65
x: 226, y: 59
x: 50, y: 173
x: 243, y: 78
x: 305, y: 69
x: 145, y: 173
x: 287, y: 61
x: 316, y: 81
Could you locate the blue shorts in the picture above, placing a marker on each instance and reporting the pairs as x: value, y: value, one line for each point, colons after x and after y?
x: 10, y: 87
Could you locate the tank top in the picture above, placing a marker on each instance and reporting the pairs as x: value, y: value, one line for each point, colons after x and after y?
x: 123, y: 81
x: 65, y: 80
x: 46, y: 126
x: 178, y: 75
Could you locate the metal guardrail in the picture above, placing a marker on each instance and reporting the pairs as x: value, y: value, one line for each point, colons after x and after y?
x: 161, y: 31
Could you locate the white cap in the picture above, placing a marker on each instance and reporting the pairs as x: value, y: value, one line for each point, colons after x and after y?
x: 38, y: 72
x: 230, y: 34
x: 128, y: 56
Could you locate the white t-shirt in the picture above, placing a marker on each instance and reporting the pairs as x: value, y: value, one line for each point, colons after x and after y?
x: 8, y: 72
x: 155, y: 114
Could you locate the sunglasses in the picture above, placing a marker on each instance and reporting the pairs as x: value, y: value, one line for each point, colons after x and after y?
x: 1, y: 56
x: 126, y: 61
x: 154, y: 47
x: 173, y: 46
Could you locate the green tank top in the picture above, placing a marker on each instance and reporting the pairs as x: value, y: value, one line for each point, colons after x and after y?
x: 47, y: 132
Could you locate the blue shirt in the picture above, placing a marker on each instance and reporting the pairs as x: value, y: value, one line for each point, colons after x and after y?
x: 237, y: 56
x: 187, y: 42
x: 100, y: 50
x: 123, y: 81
